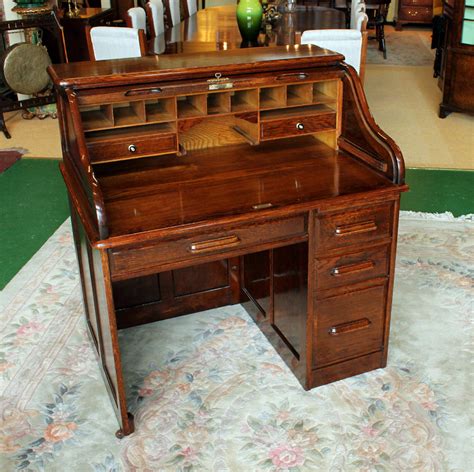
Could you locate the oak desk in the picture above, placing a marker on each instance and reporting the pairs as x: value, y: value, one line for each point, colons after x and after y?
x: 252, y: 176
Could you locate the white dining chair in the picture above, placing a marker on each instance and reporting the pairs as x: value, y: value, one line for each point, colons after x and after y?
x: 175, y: 12
x: 352, y: 43
x: 155, y: 17
x: 109, y: 42
x: 136, y: 18
x: 191, y: 7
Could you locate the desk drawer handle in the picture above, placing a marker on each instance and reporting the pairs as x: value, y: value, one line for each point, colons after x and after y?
x: 364, y: 227
x: 351, y: 268
x: 143, y: 91
x: 295, y: 75
x: 300, y: 126
x: 132, y: 148
x: 213, y: 244
x: 349, y: 327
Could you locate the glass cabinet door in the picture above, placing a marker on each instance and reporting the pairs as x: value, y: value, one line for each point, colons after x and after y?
x: 468, y: 23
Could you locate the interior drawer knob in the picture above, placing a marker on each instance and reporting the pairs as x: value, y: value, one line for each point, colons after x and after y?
x: 132, y: 148
x: 300, y: 126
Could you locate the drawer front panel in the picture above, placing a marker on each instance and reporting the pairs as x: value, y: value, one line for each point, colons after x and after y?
x: 349, y: 325
x: 151, y: 257
x: 414, y: 13
x: 366, y: 224
x: 416, y: 3
x: 351, y: 268
x: 297, y: 126
x: 131, y: 148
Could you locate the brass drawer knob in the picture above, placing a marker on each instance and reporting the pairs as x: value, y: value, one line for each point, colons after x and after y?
x: 300, y: 126
x: 132, y: 148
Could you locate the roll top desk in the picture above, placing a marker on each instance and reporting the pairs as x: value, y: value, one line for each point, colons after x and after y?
x: 251, y: 176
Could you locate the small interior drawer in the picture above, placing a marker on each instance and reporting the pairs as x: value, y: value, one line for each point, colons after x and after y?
x: 297, y: 125
x: 352, y: 268
x: 131, y: 147
x: 351, y: 227
x: 149, y: 258
x: 349, y: 325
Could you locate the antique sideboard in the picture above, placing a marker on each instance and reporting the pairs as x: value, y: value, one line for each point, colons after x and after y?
x: 253, y: 176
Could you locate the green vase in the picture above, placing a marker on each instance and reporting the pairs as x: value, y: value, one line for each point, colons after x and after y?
x: 249, y: 19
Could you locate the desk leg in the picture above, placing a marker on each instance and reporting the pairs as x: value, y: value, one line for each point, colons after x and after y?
x: 100, y: 314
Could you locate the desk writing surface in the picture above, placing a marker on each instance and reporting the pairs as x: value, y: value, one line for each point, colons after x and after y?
x: 166, y: 191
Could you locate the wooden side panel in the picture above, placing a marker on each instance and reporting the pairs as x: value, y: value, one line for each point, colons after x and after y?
x: 257, y: 279
x: 290, y: 285
x: 201, y: 278
x: 285, y: 298
x: 99, y: 307
x: 174, y: 293
x: 111, y: 361
x: 87, y: 283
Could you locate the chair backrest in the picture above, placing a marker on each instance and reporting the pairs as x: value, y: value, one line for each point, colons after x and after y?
x: 136, y: 18
x: 155, y: 16
x: 347, y: 42
x: 190, y: 8
x: 109, y: 42
x: 172, y: 12
x: 356, y: 7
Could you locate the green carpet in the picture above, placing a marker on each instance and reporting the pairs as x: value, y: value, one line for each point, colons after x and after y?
x: 33, y: 205
x: 439, y: 190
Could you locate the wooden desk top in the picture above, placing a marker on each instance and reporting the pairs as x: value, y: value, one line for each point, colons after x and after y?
x: 152, y: 68
x: 216, y: 28
x: 158, y: 193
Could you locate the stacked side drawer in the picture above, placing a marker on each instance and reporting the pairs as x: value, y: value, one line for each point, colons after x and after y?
x: 350, y: 299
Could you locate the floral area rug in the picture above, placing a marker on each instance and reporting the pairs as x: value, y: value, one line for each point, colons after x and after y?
x: 404, y: 48
x: 210, y: 394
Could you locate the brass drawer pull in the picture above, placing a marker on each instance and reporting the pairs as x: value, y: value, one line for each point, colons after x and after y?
x: 295, y: 75
x: 262, y: 206
x: 213, y: 244
x: 364, y: 227
x: 351, y: 268
x: 349, y: 327
x: 143, y: 91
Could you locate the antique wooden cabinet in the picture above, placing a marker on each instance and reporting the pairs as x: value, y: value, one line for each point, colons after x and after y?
x: 456, y: 78
x: 251, y: 176
x: 414, y: 11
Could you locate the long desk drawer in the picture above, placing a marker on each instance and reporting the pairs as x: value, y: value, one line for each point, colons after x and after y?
x: 362, y: 225
x: 147, y: 258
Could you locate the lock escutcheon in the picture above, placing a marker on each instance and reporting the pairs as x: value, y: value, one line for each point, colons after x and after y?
x: 132, y: 148
x: 300, y: 126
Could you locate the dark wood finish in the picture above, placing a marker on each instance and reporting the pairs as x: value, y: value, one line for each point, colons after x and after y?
x: 414, y: 11
x: 215, y: 28
x: 75, y: 30
x: 457, y: 66
x: 301, y: 229
x: 377, y: 11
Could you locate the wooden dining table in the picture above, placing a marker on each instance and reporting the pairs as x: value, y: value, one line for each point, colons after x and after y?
x: 215, y: 28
